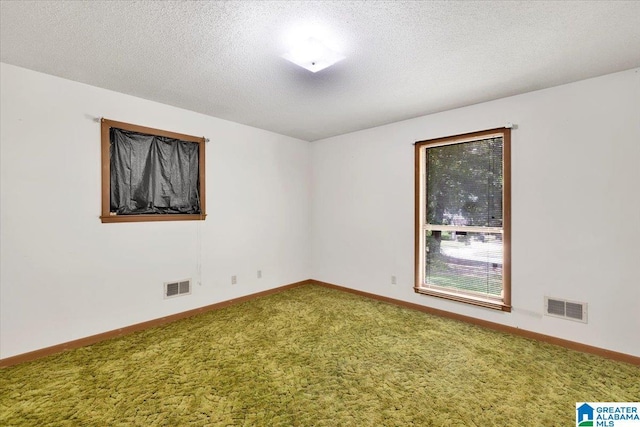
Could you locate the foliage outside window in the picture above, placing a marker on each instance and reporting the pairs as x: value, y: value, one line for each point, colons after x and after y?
x: 150, y: 174
x: 463, y: 218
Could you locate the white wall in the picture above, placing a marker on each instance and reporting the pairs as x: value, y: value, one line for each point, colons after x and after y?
x: 65, y: 275
x: 575, y: 207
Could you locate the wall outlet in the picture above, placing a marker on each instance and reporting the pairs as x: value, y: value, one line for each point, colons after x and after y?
x: 259, y: 274
x: 234, y: 280
x: 393, y: 280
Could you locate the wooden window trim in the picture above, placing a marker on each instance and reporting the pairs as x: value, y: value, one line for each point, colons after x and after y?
x: 505, y: 304
x: 106, y: 216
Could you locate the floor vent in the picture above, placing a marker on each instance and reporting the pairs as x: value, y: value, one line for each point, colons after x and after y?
x: 175, y: 289
x: 565, y: 309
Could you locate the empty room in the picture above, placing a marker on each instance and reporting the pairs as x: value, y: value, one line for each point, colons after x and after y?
x: 319, y: 213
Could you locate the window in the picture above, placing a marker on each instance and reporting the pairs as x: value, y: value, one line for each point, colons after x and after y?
x: 150, y: 174
x: 463, y: 214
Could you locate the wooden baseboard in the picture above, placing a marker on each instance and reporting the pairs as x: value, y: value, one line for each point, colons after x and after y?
x: 37, y: 354
x: 621, y: 357
x: 47, y: 351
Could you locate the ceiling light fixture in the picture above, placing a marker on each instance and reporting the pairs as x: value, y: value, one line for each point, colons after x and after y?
x: 313, y: 55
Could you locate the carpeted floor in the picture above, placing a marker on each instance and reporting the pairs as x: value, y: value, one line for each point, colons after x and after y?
x: 312, y: 356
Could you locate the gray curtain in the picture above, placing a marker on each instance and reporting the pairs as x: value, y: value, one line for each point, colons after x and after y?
x: 153, y: 174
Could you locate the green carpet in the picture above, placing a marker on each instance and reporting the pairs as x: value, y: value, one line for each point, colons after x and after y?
x: 312, y: 356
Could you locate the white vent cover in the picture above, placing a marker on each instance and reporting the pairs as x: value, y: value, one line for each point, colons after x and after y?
x: 175, y: 289
x: 570, y: 310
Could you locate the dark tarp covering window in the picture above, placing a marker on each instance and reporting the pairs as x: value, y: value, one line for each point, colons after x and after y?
x: 153, y: 174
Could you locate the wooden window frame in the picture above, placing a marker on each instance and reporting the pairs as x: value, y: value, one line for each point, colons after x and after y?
x: 420, y: 214
x: 107, y: 216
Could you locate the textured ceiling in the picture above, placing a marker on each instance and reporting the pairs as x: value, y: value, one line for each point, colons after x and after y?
x: 403, y: 58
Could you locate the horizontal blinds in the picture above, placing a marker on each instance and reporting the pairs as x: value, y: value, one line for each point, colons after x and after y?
x: 469, y: 262
x: 464, y: 184
x: 462, y: 228
x: 463, y: 231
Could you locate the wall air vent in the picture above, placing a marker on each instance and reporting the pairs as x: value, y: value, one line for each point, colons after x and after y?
x: 175, y: 289
x: 565, y: 309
